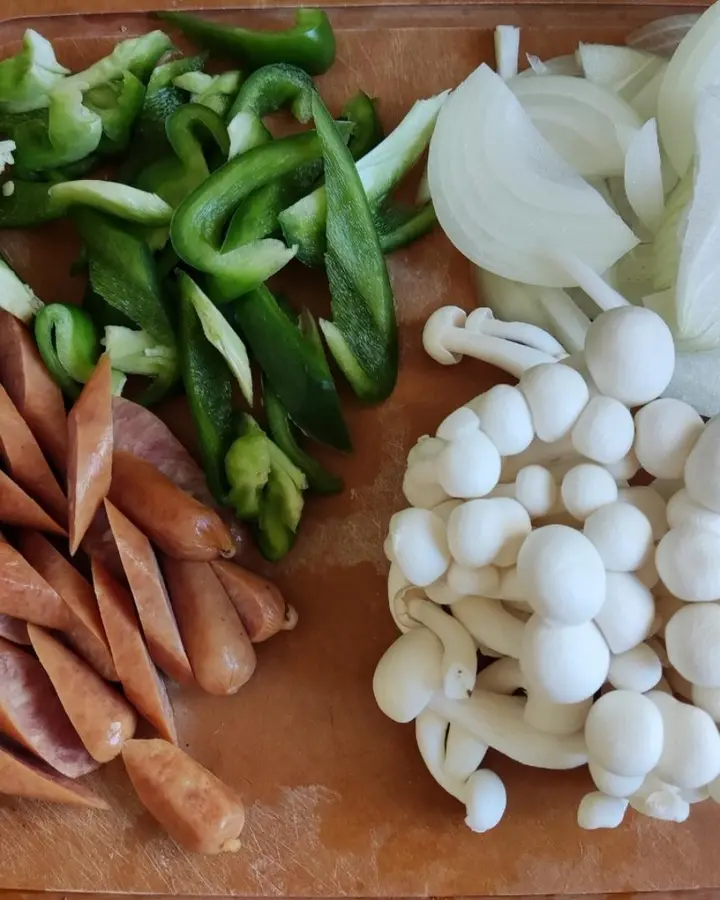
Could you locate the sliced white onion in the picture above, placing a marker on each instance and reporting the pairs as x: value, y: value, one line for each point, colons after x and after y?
x: 635, y: 273
x: 589, y: 126
x: 643, y: 176
x: 663, y: 35
x: 698, y: 281
x: 594, y: 285
x: 696, y: 380
x: 507, y: 50
x: 557, y: 65
x: 694, y: 66
x: 506, y: 199
x: 620, y: 69
x: 645, y: 101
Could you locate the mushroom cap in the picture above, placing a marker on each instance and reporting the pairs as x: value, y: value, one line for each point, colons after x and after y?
x: 444, y: 509
x: 438, y: 328
x: 621, y: 534
x: 666, y: 430
x: 561, y: 575
x: 420, y: 492
x: 604, y: 431
x: 707, y: 698
x: 630, y: 354
x: 568, y: 664
x: 649, y: 502
x: 683, y: 510
x: 536, y: 489
x: 598, y: 810
x: 659, y: 800
x: 408, y: 675
x: 624, y: 733
x: 460, y: 422
x: 638, y: 669
x: 425, y: 448
x: 397, y: 584
x: 419, y: 545
x: 505, y: 417
x: 469, y: 467
x: 612, y: 784
x: 481, y: 532
x: 626, y: 469
x: 687, y: 561
x: 691, y: 749
x: 556, y: 395
x: 485, y: 801
x: 692, y: 638
x: 585, y: 488
x: 702, y: 467
x: 481, y: 581
x: 628, y: 613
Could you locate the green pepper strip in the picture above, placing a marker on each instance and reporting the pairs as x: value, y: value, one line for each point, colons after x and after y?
x: 294, y: 366
x: 188, y: 129
x: 363, y: 334
x: 208, y: 385
x: 68, y: 344
x: 29, y: 204
x: 118, y: 104
x: 319, y: 479
x: 309, y: 44
x: 199, y: 222
x: 399, y: 226
x: 367, y: 128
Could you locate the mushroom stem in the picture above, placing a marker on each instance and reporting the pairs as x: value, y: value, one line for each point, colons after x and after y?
x: 459, y: 663
x: 482, y: 321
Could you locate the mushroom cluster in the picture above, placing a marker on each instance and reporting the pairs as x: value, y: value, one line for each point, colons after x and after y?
x: 548, y: 609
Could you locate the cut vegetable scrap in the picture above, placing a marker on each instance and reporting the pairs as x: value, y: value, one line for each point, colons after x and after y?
x: 27, y: 79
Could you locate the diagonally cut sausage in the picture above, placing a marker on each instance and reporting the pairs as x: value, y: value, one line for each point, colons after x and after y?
x: 26, y: 595
x: 102, y: 718
x: 151, y: 599
x: 18, y: 508
x: 21, y: 775
x: 38, y: 399
x: 259, y: 603
x: 193, y: 805
x: 25, y: 461
x: 220, y: 652
x: 143, y: 686
x: 90, y: 443
x: 173, y: 520
x: 14, y: 630
x: 32, y: 715
x: 85, y: 629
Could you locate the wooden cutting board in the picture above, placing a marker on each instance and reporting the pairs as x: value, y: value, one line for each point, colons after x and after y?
x: 338, y: 800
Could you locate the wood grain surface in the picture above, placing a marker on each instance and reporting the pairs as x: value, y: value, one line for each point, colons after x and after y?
x: 338, y: 801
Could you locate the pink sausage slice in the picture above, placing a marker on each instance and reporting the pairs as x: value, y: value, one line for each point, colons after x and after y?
x: 26, y: 595
x: 21, y: 775
x: 19, y: 508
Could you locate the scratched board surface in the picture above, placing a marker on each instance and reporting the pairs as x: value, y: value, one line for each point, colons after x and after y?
x: 338, y: 800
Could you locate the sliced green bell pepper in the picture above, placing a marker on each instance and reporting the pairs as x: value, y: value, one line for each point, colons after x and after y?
x: 214, y: 91
x: 120, y: 200
x: 27, y: 79
x: 133, y: 352
x: 209, y: 386
x: 193, y: 131
x: 68, y: 343
x: 362, y: 335
x: 309, y: 44
x: 399, y: 225
x: 16, y: 297
x: 29, y: 204
x: 367, y: 127
x: 138, y: 55
x: 118, y: 103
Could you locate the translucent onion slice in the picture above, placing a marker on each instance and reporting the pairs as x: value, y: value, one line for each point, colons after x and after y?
x: 620, y: 69
x: 506, y: 199
x: 694, y: 66
x: 645, y: 101
x: 696, y: 380
x: 557, y: 65
x: 663, y: 35
x: 643, y: 176
x: 507, y: 50
x: 589, y: 126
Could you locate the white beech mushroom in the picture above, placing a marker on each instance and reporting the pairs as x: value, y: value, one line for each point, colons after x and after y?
x: 510, y: 589
x: 569, y: 664
x: 691, y: 749
x: 692, y: 637
x: 446, y: 340
x: 612, y: 784
x: 666, y: 430
x: 489, y: 624
x: 630, y: 354
x: 397, y: 585
x: 624, y: 733
x: 585, y: 488
x: 538, y: 453
x: 408, y: 675
x: 505, y: 418
x: 556, y: 395
x: 419, y: 545
x: 444, y: 509
x: 458, y: 424
x: 702, y: 467
x: 534, y: 488
x: 651, y: 504
x: 658, y: 800
x: 469, y: 467
x: 463, y: 753
x: 598, y: 810
x: 561, y: 575
x: 621, y: 534
x: 683, y: 510
x: 420, y: 492
x: 486, y: 531
x: 627, y: 468
x: 441, y: 593
x: 486, y: 801
x: 628, y: 613
x: 687, y: 561
x: 604, y: 431
x: 459, y: 661
x: 707, y: 698
x: 638, y: 669
x: 681, y: 687
x: 482, y: 321
x: 555, y: 718
x: 501, y: 677
x: 483, y: 581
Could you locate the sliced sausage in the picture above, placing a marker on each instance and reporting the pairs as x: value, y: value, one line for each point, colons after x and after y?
x: 173, y: 520
x: 21, y: 775
x: 38, y: 399
x: 220, y: 652
x: 25, y: 461
x: 102, y: 718
x: 90, y: 445
x: 14, y: 630
x: 151, y: 599
x: 31, y: 714
x: 26, y: 595
x: 143, y: 686
x: 258, y: 601
x: 196, y: 809
x: 19, y: 508
x: 85, y: 629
